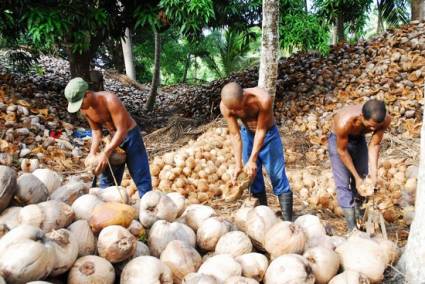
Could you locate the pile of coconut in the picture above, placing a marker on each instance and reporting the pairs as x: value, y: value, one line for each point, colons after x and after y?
x: 200, y: 170
x: 69, y: 233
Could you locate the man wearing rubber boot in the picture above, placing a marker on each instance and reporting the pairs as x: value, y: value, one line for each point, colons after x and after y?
x: 351, y: 158
x: 257, y: 142
x: 104, y: 109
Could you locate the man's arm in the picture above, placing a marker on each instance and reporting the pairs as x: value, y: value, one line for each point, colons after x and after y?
x: 236, y: 138
x: 96, y: 136
x: 374, y: 148
x: 342, y: 150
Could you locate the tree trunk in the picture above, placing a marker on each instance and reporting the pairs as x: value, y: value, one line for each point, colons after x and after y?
x: 340, y: 28
x: 186, y: 68
x: 79, y: 63
x: 127, y: 51
x: 115, y: 50
x: 156, y: 73
x: 418, y: 9
x: 413, y: 258
x: 334, y: 35
x: 306, y: 6
x: 269, y: 47
x: 380, y: 26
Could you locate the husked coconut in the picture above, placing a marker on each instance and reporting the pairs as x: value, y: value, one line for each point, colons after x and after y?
x: 91, y: 269
x: 221, y: 266
x: 29, y: 165
x: 196, y: 214
x: 9, y: 217
x: 25, y: 255
x: 324, y: 262
x: 30, y: 190
x: 111, y: 194
x: 163, y: 232
x: 235, y: 243
x: 8, y: 186
x: 66, y: 250
x: 350, y: 277
x: 259, y: 221
x: 392, y: 252
x: 284, y: 238
x: 240, y: 280
x: 198, y: 278
x: 49, y: 215
x: 69, y: 192
x: 254, y: 265
x: 49, y: 178
x: 322, y: 241
x: 111, y: 213
x: 179, y: 201
x: 116, y: 244
x: 362, y: 254
x: 311, y: 225
x: 289, y: 268
x: 181, y: 258
x: 84, y: 205
x: 84, y: 236
x: 155, y: 206
x: 136, y: 229
x: 241, y: 217
x: 146, y: 269
x: 210, y: 232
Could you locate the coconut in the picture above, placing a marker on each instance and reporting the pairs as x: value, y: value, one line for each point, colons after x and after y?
x: 283, y: 238
x: 179, y: 201
x: 410, y: 185
x: 181, y: 258
x: 240, y: 280
x: 311, y: 226
x: 30, y: 190
x: 111, y: 213
x: 116, y: 244
x: 324, y: 262
x: 362, y: 254
x: 8, y: 186
x: 111, y: 194
x: 91, y: 269
x: 221, y: 266
x: 198, y: 278
x: 9, y: 217
x: 69, y: 192
x: 29, y: 165
x: 49, y: 178
x: 163, y: 232
x: 254, y: 265
x: 241, y: 217
x: 49, y: 215
x: 154, y: 206
x: 235, y: 243
x: 146, y: 269
x: 350, y: 277
x: 259, y: 221
x: 196, y: 214
x: 210, y: 232
x: 293, y: 268
x: 66, y: 250
x: 136, y: 229
x: 322, y: 241
x: 84, y: 205
x: 25, y: 255
x: 392, y: 252
x: 84, y: 236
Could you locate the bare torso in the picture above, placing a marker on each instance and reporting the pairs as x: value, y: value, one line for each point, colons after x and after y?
x: 99, y: 113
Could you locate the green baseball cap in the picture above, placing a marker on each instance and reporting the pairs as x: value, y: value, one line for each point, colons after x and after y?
x: 74, y: 93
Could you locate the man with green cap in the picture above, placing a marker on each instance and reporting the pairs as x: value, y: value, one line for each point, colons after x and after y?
x: 104, y: 109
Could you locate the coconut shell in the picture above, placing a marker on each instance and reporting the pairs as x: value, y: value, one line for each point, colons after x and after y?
x: 69, y: 192
x: 10, y: 217
x: 8, y: 186
x: 221, y: 267
x: 146, y: 269
x: 254, y: 265
x: 84, y: 236
x: 91, y: 269
x: 30, y: 190
x: 116, y: 244
x: 111, y: 213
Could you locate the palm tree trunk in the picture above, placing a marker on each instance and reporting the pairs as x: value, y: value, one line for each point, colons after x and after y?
x: 130, y: 71
x: 380, y: 27
x: 186, y: 68
x: 413, y: 260
x: 340, y: 28
x: 418, y: 9
x: 269, y: 47
x: 156, y: 74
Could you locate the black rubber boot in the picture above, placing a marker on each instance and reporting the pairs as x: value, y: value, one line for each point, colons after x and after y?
x: 349, y: 214
x: 261, y: 197
x: 286, y: 203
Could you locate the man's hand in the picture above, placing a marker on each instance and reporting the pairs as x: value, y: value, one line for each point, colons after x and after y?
x: 251, y: 169
x: 359, y: 181
x: 90, y: 160
x: 236, y: 172
x: 102, y: 163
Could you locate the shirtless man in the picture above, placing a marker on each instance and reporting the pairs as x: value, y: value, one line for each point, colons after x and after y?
x: 257, y: 142
x: 104, y: 109
x: 351, y: 159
